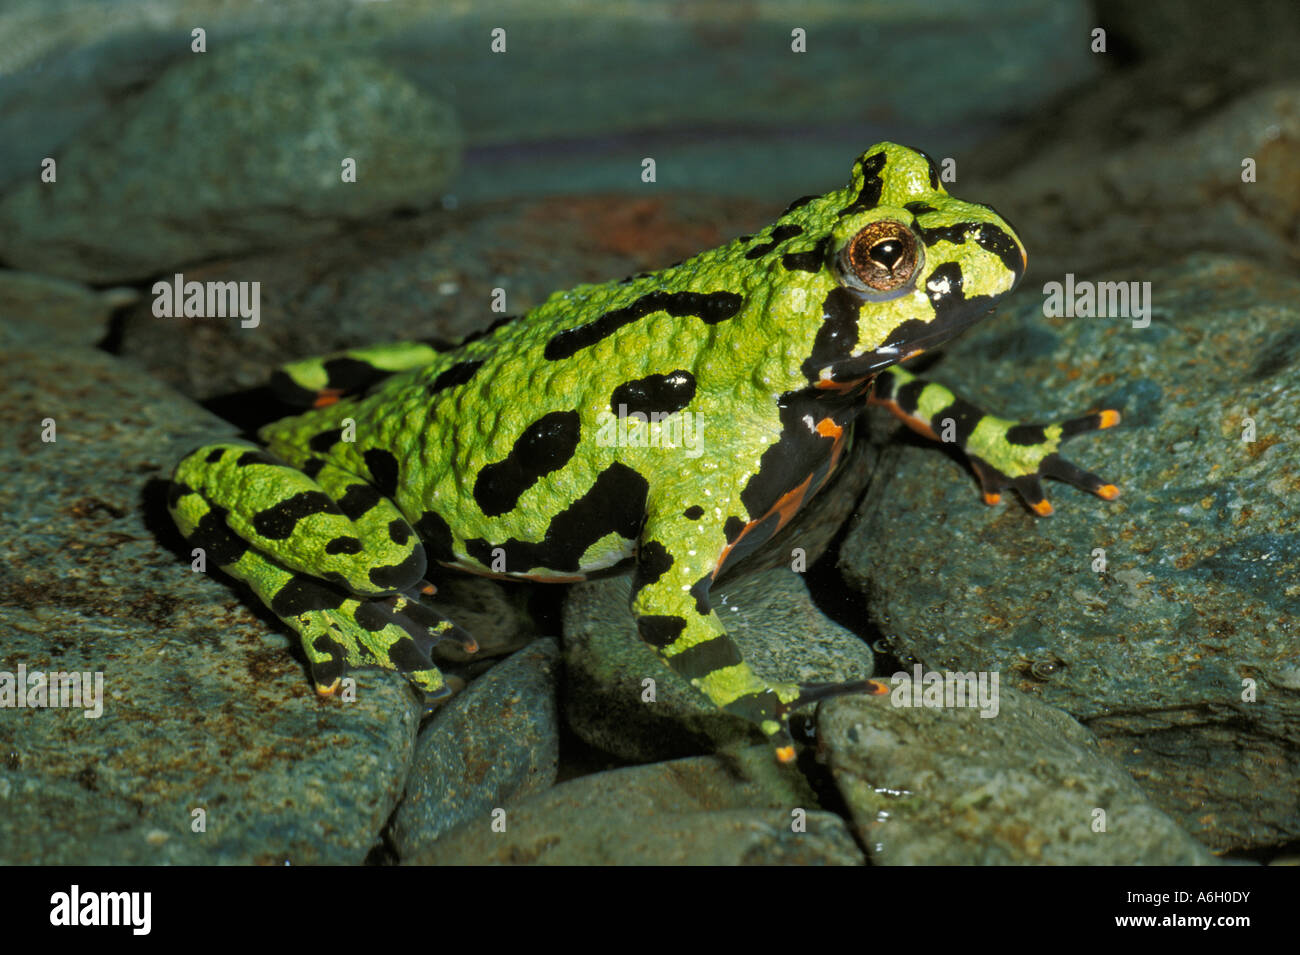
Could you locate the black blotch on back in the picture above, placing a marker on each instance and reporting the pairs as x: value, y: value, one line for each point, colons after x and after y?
x: 665, y: 394
x: 383, y: 468
x: 693, y: 513
x: 485, y: 332
x: 434, y: 530
x: 710, y: 308
x: 357, y: 501
x: 322, y: 442
x: 457, y: 374
x: 615, y: 504
x: 797, y: 204
x: 546, y: 445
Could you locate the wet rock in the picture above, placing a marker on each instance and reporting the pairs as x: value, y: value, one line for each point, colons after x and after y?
x: 39, y: 311
x: 494, y: 744
x: 741, y: 808
x: 778, y: 629
x: 1191, y: 601
x: 237, y: 148
x: 1160, y: 190
x: 204, y: 707
x: 949, y: 786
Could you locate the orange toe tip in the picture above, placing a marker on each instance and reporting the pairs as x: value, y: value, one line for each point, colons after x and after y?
x: 1108, y: 491
x: 785, y: 754
x: 1043, y: 508
x: 876, y: 688
x: 991, y: 499
x: 328, y: 691
x: 1108, y: 418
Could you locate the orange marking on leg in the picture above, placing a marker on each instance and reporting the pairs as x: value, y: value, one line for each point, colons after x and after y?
x: 1108, y: 418
x: 827, y: 428
x: 991, y: 498
x: 1042, y: 508
x: 785, y: 754
x: 326, y: 397
x: 786, y: 507
x: 1108, y: 491
x: 919, y: 425
x: 830, y: 384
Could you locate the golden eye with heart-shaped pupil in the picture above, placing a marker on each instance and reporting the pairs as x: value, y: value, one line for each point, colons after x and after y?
x: 883, y: 257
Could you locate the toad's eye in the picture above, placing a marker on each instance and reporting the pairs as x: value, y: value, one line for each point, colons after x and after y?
x: 885, y: 257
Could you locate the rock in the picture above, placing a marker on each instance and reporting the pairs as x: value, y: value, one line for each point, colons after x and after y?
x: 39, y: 311
x: 204, y: 705
x: 779, y: 630
x: 714, y: 810
x: 948, y: 786
x: 1153, y: 650
x: 1158, y: 192
x: 579, y: 53
x: 237, y: 148
x: 494, y: 744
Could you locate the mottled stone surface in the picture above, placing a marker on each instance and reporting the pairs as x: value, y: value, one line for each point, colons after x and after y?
x: 1192, y: 600
x: 236, y: 148
x: 37, y: 311
x: 204, y: 706
x: 495, y: 743
x: 735, y: 809
x: 1027, y: 786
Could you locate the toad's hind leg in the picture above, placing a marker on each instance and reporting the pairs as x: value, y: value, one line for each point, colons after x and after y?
x: 326, y: 553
